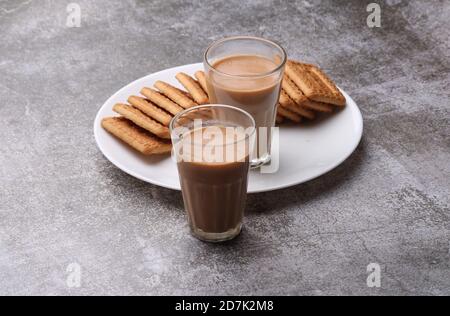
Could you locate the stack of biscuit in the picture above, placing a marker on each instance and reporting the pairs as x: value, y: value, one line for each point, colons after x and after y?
x: 305, y: 91
x: 144, y: 121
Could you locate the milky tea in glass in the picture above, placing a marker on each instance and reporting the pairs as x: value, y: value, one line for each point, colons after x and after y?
x: 246, y: 72
x: 212, y: 146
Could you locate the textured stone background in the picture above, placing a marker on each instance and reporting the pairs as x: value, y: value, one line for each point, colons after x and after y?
x: 61, y: 201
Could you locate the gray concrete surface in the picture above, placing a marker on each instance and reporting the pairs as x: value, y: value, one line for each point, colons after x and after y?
x: 62, y: 202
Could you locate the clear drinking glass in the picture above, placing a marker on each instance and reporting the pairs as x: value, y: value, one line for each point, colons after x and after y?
x: 212, y: 145
x: 246, y: 72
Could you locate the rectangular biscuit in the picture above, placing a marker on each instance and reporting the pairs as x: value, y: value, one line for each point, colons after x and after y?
x: 289, y: 104
x: 150, y: 109
x: 136, y: 137
x: 314, y: 84
x: 194, y: 88
x: 338, y: 97
x: 299, y: 109
x: 174, y: 94
x: 317, y: 106
x: 292, y: 90
x: 298, y: 97
x: 285, y: 100
x: 284, y: 112
x: 142, y: 120
x: 161, y: 101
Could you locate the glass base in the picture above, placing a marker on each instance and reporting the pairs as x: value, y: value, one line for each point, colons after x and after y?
x: 216, y: 237
x: 258, y: 162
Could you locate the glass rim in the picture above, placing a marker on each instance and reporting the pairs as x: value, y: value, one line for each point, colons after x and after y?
x: 260, y: 39
x: 205, y: 106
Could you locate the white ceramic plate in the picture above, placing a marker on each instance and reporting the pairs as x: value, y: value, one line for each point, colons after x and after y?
x: 306, y: 150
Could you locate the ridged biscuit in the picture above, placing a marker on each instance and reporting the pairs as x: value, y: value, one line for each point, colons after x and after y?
x: 337, y: 95
x: 317, y: 106
x: 292, y: 90
x: 287, y: 103
x: 201, y: 78
x: 161, y: 101
x: 314, y: 84
x: 135, y: 136
x: 299, y: 109
x: 193, y: 87
x: 142, y: 120
x: 183, y: 92
x: 150, y: 109
x: 288, y: 114
x: 174, y: 94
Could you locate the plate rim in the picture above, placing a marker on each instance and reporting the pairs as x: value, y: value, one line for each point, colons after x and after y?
x: 97, y: 126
